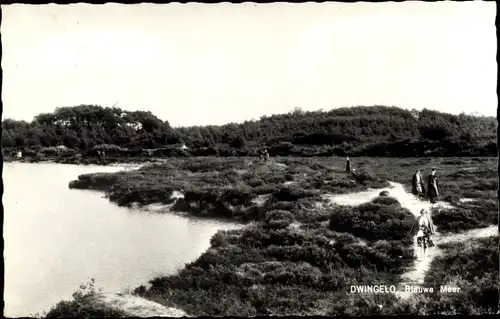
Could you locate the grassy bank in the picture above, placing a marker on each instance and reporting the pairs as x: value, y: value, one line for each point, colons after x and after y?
x: 302, y: 254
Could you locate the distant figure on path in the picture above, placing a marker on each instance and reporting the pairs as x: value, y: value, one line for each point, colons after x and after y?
x: 417, y: 184
x: 101, y: 154
x: 432, y: 187
x: 348, y: 165
x: 264, y: 155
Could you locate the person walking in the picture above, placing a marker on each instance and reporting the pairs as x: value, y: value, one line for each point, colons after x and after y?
x: 347, y: 165
x: 264, y: 155
x: 417, y: 184
x: 425, y: 229
x: 432, y: 187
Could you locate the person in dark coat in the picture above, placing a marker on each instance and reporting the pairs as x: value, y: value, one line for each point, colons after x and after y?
x: 432, y: 187
x: 417, y: 184
x: 348, y: 165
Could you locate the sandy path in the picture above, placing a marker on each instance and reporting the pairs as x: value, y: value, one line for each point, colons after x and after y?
x: 415, y: 275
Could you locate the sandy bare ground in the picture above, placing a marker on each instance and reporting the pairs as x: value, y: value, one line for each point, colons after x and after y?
x: 160, y: 207
x: 139, y: 307
x: 261, y: 199
x: 127, y: 166
x: 280, y: 165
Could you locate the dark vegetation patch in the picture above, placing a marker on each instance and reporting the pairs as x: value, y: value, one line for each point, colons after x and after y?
x: 466, y: 216
x: 477, y: 257
x: 383, y: 218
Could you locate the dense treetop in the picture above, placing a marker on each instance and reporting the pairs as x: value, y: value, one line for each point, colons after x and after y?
x: 373, y: 131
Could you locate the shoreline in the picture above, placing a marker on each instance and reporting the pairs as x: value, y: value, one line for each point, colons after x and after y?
x: 88, y: 161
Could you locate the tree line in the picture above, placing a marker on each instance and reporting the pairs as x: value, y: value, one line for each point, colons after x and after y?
x: 355, y: 131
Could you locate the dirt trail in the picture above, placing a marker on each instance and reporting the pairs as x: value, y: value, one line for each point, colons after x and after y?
x: 415, y: 275
x: 139, y: 307
x: 396, y: 190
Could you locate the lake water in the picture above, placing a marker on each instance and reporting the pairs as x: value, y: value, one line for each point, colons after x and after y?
x: 56, y: 238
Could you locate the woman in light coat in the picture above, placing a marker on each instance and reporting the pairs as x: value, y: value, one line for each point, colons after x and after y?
x: 417, y: 184
x: 425, y: 229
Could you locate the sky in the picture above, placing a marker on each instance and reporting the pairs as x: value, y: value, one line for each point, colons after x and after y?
x: 200, y: 64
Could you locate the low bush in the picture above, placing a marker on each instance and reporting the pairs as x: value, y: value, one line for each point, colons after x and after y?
x: 386, y: 200
x: 466, y: 216
x: 277, y: 219
x: 375, y: 220
x: 85, y: 305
